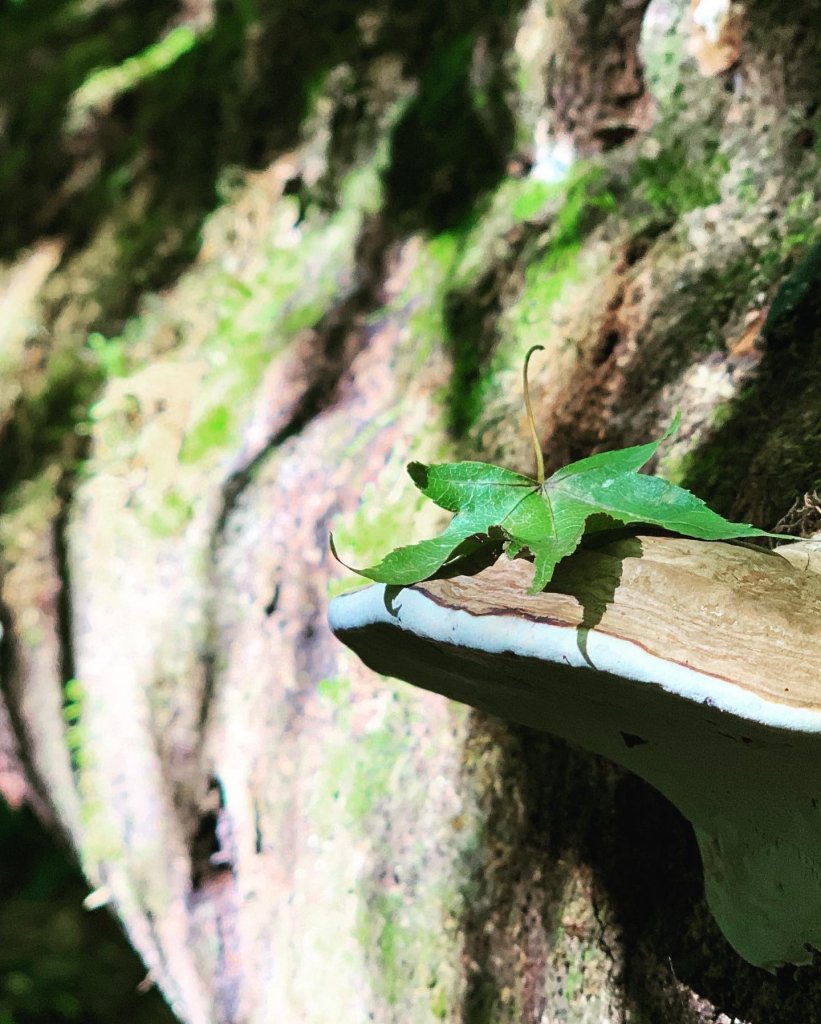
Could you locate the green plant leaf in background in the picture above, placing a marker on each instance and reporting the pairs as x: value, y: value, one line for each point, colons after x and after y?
x: 547, y: 517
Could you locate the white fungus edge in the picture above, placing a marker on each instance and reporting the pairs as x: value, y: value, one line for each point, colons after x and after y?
x: 413, y: 611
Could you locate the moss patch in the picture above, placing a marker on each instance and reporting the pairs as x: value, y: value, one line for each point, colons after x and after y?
x: 406, y: 892
x: 548, y: 247
x: 678, y: 179
x: 212, y: 431
x: 451, y: 144
x: 104, y: 86
x: 446, y: 149
x: 46, y: 419
x: 765, y: 454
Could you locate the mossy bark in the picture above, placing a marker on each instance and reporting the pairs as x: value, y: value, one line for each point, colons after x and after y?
x: 309, y: 248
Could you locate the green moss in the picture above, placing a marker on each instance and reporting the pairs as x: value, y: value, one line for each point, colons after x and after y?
x: 481, y: 1004
x: 304, y: 316
x: 788, y: 259
x: 28, y: 508
x: 716, y: 296
x: 292, y: 290
x: 587, y: 198
x: 451, y: 143
x: 764, y: 452
x: 755, y: 467
x: 376, y: 755
x: 444, y: 248
x: 103, y: 86
x: 747, y: 189
x: 796, y: 289
x: 545, y: 280
x: 73, y: 699
x: 373, y: 790
x: 405, y: 965
x: 572, y: 983
x: 472, y: 309
x: 209, y: 433
x: 110, y: 354
x: 439, y: 1003
x: 335, y: 690
x: 46, y: 417
x: 679, y: 179
x: 100, y: 842
x: 424, y: 296
x: 369, y: 432
x: 405, y: 952
x: 172, y: 516
x: 359, y: 784
x: 379, y: 931
x: 46, y: 51
x: 800, y: 222
x: 531, y: 198
x: 243, y: 323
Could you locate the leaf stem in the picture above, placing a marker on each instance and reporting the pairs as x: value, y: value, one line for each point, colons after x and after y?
x: 530, y: 421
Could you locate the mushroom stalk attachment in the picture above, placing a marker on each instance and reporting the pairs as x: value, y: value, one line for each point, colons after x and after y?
x: 697, y: 666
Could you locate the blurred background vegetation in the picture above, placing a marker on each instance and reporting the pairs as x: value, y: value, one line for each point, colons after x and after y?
x: 58, y: 961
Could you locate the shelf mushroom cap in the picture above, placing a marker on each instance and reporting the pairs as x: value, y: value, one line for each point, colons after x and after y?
x: 695, y: 665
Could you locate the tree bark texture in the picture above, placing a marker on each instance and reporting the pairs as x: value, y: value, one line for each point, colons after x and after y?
x: 409, y: 197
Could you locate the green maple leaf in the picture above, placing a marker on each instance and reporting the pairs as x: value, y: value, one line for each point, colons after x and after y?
x: 547, y: 517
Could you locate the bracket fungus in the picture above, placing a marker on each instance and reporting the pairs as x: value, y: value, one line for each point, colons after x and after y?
x: 695, y: 665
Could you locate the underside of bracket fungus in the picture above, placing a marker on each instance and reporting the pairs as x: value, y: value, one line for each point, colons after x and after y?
x: 695, y: 665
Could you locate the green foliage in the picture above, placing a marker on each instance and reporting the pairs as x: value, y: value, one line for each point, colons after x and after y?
x: 59, y: 963
x: 546, y: 517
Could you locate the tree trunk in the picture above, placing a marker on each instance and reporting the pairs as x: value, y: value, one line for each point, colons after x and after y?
x: 410, y: 198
